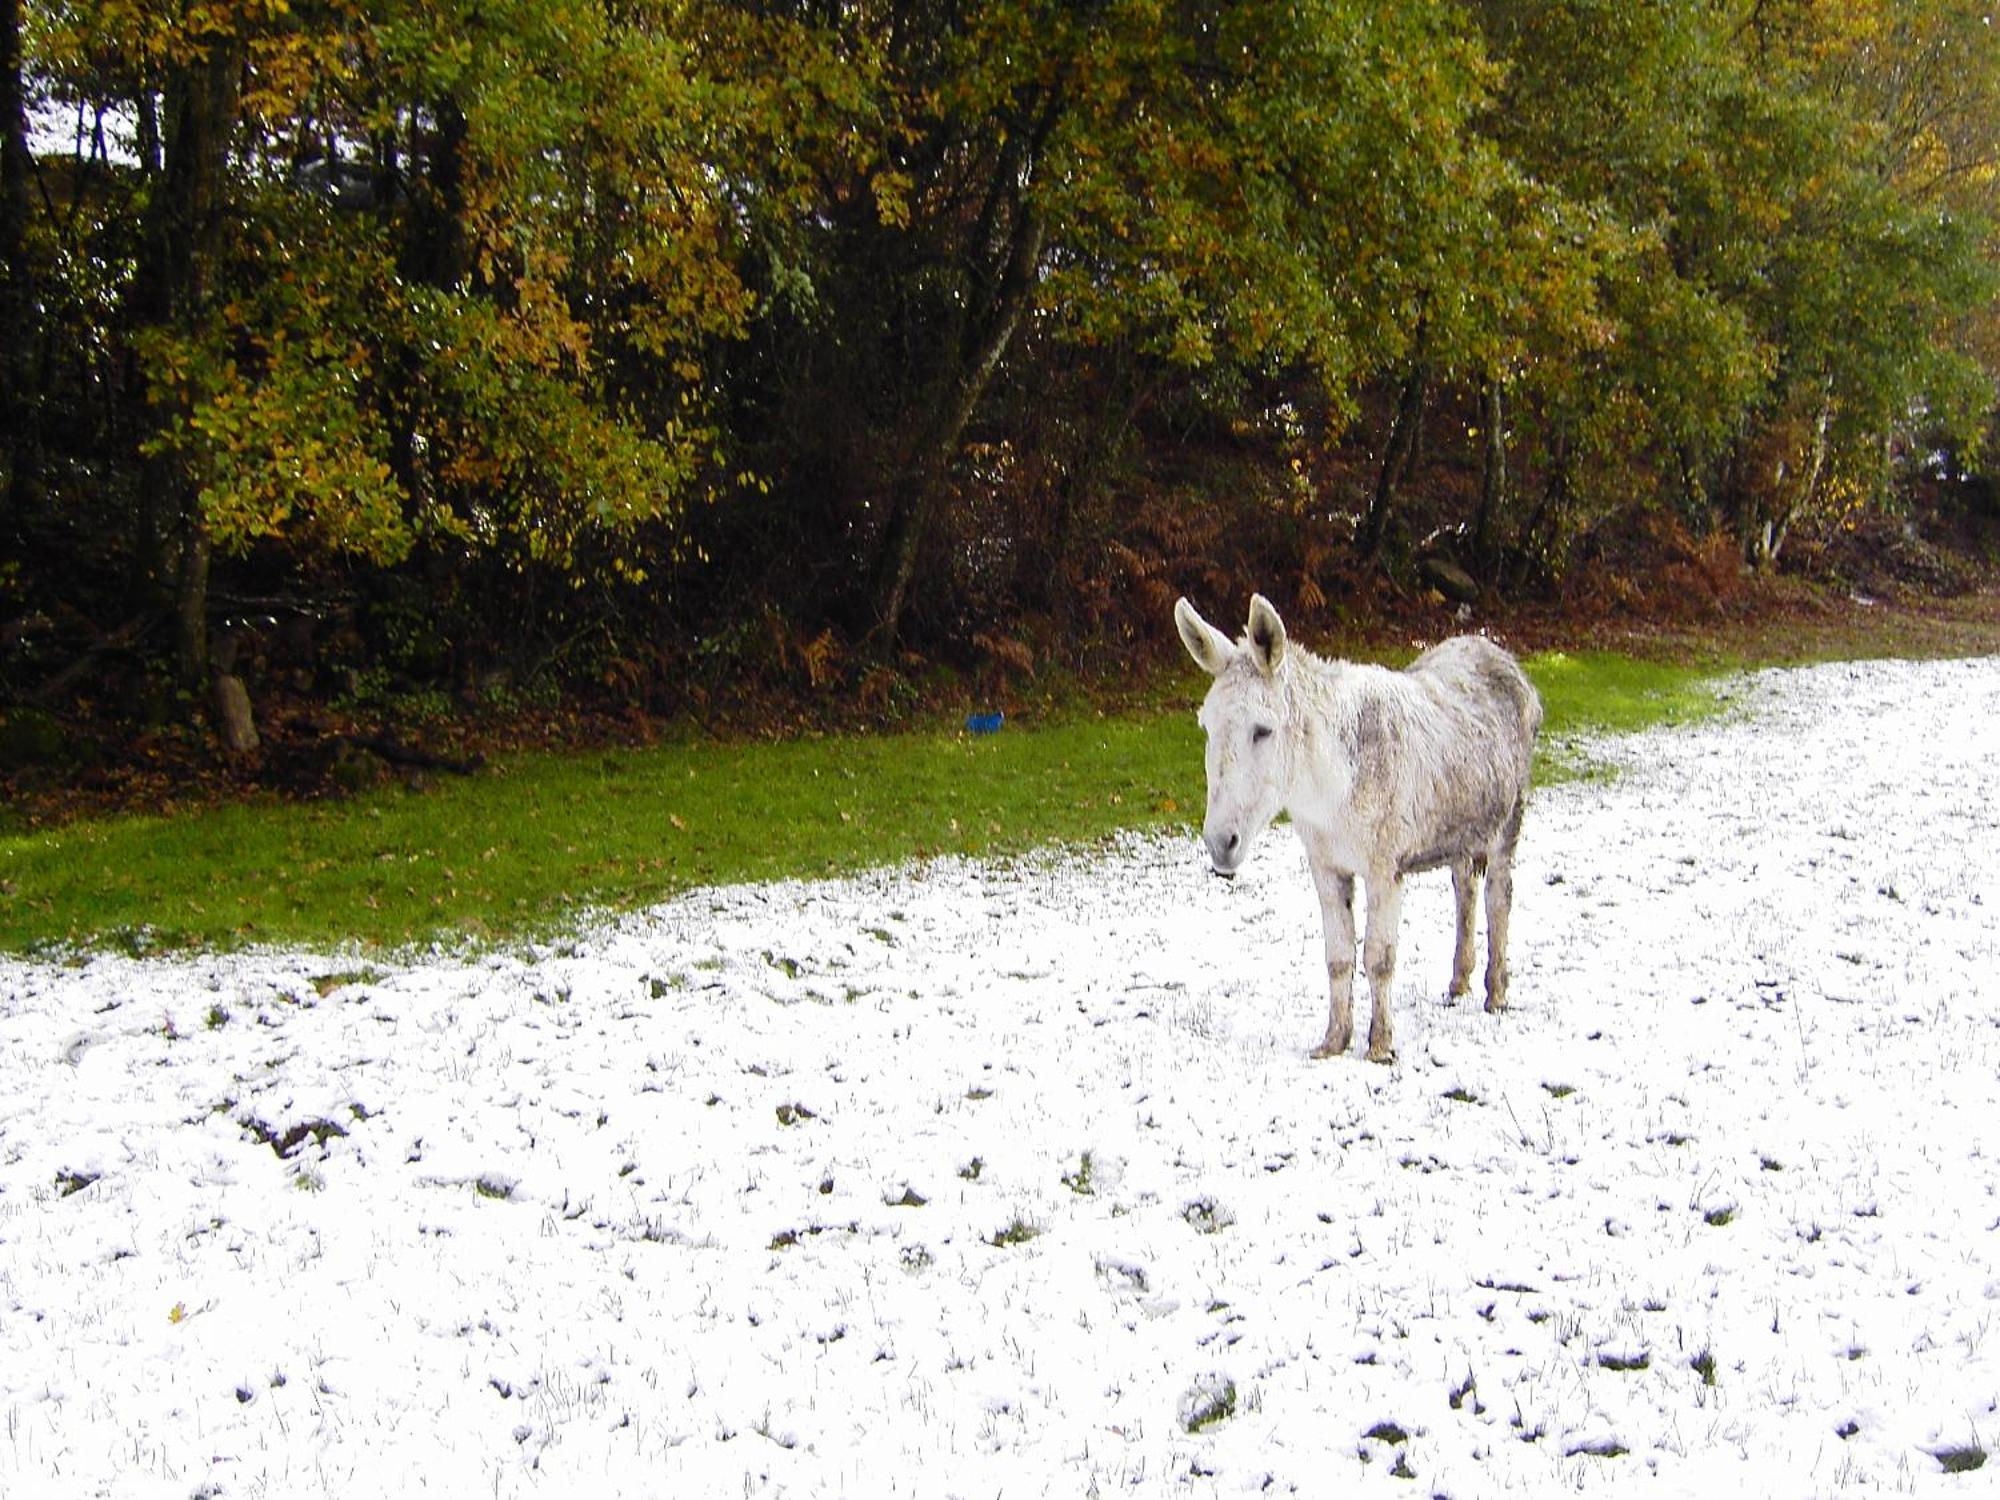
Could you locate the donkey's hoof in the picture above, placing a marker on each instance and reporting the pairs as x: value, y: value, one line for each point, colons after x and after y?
x: 1331, y: 1047
x: 1383, y: 1055
x: 1495, y: 1004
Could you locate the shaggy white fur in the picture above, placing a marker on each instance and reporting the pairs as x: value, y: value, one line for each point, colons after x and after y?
x: 1382, y: 773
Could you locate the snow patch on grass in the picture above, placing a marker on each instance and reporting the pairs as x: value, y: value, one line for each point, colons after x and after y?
x: 1046, y: 1194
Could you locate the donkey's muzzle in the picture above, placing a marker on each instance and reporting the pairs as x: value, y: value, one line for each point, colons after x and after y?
x: 1225, y: 852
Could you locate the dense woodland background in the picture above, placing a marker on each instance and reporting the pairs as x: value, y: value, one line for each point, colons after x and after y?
x: 505, y: 351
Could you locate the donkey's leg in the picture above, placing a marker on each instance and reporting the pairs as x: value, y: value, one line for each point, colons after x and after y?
x: 1499, y: 907
x: 1378, y: 955
x: 1336, y: 906
x: 1465, y: 888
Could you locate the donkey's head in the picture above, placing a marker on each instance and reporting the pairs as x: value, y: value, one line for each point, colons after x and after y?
x: 1245, y: 716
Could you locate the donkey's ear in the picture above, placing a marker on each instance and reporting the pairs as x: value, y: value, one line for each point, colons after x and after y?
x: 1209, y: 647
x: 1267, y: 634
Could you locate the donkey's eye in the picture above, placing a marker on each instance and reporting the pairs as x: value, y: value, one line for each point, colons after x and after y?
x: 1260, y: 734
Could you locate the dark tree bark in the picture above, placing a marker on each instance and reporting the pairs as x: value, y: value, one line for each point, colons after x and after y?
x: 434, y: 252
x: 1046, y: 572
x: 173, y: 287
x: 191, y: 597
x: 1697, y: 509
x: 1403, y: 428
x: 1493, y: 477
x: 1541, y: 538
x: 914, y: 495
x: 20, y: 400
x: 1002, y: 254
x: 1777, y: 499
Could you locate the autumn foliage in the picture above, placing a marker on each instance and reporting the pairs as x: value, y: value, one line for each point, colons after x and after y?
x: 500, y: 345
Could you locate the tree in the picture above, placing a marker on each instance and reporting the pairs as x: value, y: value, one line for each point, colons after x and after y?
x: 1227, y: 189
x: 1785, y: 265
x: 20, y: 407
x: 548, y: 310
x: 417, y: 278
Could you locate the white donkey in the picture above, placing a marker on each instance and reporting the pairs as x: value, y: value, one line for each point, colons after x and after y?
x: 1382, y: 773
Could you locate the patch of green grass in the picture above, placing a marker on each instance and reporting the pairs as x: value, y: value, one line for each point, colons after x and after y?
x: 519, y: 850
x: 1598, y: 1448
x: 1600, y: 692
x: 1019, y: 1232
x: 1080, y: 1181
x: 1625, y: 1363
x: 1208, y: 1407
x: 325, y: 984
x: 1207, y: 1216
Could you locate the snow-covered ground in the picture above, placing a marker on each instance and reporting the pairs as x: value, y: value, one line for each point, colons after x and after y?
x: 1017, y: 1179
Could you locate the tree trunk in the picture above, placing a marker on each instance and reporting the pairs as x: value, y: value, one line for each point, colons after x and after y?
x: 20, y: 401
x: 1542, y: 538
x: 235, y: 725
x: 434, y: 252
x: 1493, y: 479
x: 1697, y: 508
x: 172, y: 288
x: 1792, y: 492
x: 1403, y: 428
x: 913, y: 497
x: 191, y: 599
x: 1046, y: 572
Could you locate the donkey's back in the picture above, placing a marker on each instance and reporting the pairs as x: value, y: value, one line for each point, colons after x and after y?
x: 1485, y: 684
x: 1480, y: 717
x: 1441, y: 757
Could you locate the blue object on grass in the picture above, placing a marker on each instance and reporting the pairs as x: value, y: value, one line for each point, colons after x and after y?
x: 985, y: 723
